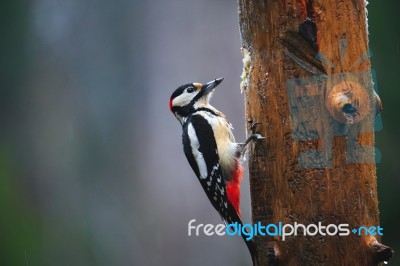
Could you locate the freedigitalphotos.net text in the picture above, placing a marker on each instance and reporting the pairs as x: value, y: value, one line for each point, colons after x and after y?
x: 279, y: 229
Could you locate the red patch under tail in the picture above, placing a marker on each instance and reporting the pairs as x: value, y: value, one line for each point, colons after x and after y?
x: 233, y: 187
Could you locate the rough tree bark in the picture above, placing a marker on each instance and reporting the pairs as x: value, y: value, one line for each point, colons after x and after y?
x: 307, y: 79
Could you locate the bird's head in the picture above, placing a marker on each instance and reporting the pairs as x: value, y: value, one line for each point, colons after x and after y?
x: 189, y: 97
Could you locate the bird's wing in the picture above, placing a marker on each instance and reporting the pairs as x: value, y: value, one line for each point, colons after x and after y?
x: 201, y: 151
x: 198, y: 140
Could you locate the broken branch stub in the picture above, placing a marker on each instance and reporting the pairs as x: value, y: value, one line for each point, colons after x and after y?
x: 348, y: 102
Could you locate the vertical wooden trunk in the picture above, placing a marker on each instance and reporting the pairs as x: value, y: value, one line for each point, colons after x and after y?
x: 317, y: 161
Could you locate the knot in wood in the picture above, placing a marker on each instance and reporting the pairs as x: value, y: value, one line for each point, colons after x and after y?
x: 348, y: 102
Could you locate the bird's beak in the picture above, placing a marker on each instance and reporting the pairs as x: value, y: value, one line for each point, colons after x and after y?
x: 209, y: 87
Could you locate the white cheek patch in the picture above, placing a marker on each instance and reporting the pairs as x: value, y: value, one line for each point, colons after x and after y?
x: 182, y: 99
x: 198, y: 156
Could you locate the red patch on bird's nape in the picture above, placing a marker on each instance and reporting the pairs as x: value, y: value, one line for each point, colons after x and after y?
x: 170, y: 104
x: 233, y: 187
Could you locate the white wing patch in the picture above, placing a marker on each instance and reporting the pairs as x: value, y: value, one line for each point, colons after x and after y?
x: 226, y: 146
x: 198, y: 156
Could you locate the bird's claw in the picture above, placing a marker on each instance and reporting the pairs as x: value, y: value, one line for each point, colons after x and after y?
x: 254, y: 136
x: 257, y: 137
x: 253, y: 126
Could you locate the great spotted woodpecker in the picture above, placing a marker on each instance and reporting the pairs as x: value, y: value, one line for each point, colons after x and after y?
x: 211, y: 150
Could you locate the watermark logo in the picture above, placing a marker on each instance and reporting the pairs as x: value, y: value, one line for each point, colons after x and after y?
x: 371, y: 230
x: 279, y: 229
x: 313, y: 114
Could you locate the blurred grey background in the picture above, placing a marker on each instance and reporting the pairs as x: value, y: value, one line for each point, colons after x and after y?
x: 91, y: 165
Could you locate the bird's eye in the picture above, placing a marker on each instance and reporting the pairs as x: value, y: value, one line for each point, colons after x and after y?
x: 190, y: 90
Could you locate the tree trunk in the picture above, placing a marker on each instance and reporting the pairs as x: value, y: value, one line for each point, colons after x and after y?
x: 307, y: 79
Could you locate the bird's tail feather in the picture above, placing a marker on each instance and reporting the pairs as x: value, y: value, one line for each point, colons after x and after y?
x: 234, y: 217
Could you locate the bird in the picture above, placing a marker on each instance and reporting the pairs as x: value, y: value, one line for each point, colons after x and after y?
x: 211, y: 150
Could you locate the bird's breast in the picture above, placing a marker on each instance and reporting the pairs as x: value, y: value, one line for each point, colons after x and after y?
x: 225, y: 144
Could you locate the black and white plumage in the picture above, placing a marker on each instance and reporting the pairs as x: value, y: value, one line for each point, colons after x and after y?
x: 198, y: 140
x: 211, y: 150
